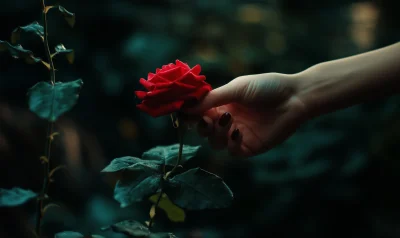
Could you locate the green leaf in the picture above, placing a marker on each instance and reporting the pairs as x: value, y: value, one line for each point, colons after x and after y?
x: 15, y: 196
x: 162, y: 235
x: 69, y: 234
x: 69, y: 53
x: 133, y: 164
x: 174, y: 213
x: 128, y: 191
x: 169, y: 153
x: 51, y: 101
x: 73, y: 234
x: 131, y: 228
x: 197, y: 189
x: 68, y: 16
x: 33, y: 28
x: 134, y: 228
x: 18, y: 52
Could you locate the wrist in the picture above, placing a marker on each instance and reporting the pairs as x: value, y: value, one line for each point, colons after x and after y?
x: 310, y: 88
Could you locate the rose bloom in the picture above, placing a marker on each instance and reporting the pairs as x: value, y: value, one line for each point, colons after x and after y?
x: 170, y: 87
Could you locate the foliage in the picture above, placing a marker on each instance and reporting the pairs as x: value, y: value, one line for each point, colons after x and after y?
x: 48, y: 100
x: 135, y: 229
x: 51, y: 101
x: 15, y: 196
x: 194, y: 189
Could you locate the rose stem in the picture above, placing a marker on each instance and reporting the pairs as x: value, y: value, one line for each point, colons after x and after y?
x: 180, y: 132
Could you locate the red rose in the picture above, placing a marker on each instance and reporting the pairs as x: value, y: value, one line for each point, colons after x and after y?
x: 170, y: 87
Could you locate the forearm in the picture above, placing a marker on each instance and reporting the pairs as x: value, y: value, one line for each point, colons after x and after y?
x: 342, y: 83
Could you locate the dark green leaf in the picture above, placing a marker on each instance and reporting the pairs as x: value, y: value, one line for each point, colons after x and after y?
x: 15, y: 196
x: 131, y: 228
x: 128, y: 191
x: 132, y: 163
x: 169, y: 153
x: 51, y: 101
x: 198, y: 189
x: 162, y: 235
x: 69, y: 234
x: 69, y: 53
x: 18, y: 52
x: 73, y: 234
x: 33, y: 28
x: 68, y: 16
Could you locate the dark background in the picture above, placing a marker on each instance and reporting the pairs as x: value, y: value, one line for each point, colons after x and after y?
x: 338, y: 176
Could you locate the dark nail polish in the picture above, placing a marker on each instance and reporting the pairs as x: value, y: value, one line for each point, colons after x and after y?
x: 202, y: 124
x: 224, y: 119
x: 235, y: 134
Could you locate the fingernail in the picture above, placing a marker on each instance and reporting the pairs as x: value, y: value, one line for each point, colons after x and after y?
x: 224, y: 119
x: 202, y: 124
x: 235, y: 134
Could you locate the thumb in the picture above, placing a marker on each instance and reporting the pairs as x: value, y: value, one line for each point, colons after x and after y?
x: 217, y: 97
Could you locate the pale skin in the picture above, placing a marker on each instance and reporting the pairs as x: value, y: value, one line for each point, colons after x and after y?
x: 263, y: 110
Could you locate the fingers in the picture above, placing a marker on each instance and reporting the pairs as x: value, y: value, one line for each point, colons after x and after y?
x: 220, y: 130
x: 217, y: 97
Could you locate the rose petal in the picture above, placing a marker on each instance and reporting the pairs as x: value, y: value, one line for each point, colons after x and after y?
x: 158, y: 79
x: 173, y: 73
x: 141, y: 94
x: 146, y: 84
x: 150, y: 76
x: 161, y: 109
x: 180, y: 63
x: 196, y: 69
x: 199, y: 93
x: 191, y: 79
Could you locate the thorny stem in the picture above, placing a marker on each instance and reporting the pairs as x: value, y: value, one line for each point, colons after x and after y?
x: 181, y: 132
x: 49, y: 138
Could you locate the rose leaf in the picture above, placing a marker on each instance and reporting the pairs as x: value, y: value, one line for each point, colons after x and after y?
x: 18, y: 52
x: 15, y: 196
x: 69, y: 53
x: 174, y: 213
x: 130, y: 189
x: 197, y: 189
x: 33, y: 28
x: 51, y: 101
x: 134, y: 228
x: 169, y: 153
x: 73, y: 234
x: 68, y: 16
x: 68, y: 234
x: 131, y: 228
x: 132, y: 164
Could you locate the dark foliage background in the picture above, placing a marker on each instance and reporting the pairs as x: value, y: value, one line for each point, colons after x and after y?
x: 336, y: 177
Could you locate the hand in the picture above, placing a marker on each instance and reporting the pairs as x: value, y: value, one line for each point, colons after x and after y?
x: 250, y: 114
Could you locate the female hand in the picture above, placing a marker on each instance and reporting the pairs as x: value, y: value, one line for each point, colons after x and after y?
x: 250, y: 114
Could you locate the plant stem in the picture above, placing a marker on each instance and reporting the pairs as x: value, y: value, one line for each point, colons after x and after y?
x: 50, y: 128
x: 163, y: 179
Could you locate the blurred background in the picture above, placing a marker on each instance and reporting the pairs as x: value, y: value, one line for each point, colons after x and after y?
x: 338, y: 176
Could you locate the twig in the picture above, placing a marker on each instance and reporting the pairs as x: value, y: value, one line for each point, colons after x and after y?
x: 49, y: 138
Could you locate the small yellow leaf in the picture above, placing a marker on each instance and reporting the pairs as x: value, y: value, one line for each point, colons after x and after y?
x: 53, y: 135
x: 71, y: 57
x: 152, y: 211
x: 43, y: 159
x: 46, y: 64
x: 47, y: 8
x: 174, y: 213
x: 15, y: 36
